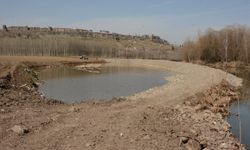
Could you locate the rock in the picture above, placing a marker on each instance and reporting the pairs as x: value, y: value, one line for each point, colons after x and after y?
x: 24, y: 85
x: 90, y: 144
x: 224, y: 146
x: 2, y: 110
x: 161, y: 113
x: 146, y: 137
x: 74, y: 109
x: 197, y: 107
x: 188, y: 103
x: 21, y: 130
x: 150, y: 107
x: 192, y: 145
x: 121, y: 134
x: 203, y: 145
x: 184, y: 140
x: 226, y: 128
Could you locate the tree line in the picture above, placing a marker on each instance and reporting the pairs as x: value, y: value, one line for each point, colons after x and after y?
x: 232, y: 43
x: 66, y: 45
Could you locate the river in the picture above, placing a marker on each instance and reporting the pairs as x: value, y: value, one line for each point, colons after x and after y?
x: 241, y: 124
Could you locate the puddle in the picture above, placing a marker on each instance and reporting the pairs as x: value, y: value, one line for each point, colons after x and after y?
x: 70, y: 85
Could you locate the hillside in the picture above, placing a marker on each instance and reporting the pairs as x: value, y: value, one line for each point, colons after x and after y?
x: 24, y: 40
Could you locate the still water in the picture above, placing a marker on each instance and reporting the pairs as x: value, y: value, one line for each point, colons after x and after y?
x: 70, y: 85
x: 244, y: 109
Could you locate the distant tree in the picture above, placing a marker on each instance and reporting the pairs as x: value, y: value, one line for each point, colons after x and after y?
x: 27, y: 28
x: 229, y: 44
x: 189, y: 51
x: 5, y: 28
x: 172, y: 47
x: 50, y: 29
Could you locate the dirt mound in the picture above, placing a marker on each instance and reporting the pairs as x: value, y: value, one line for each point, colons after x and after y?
x: 19, y: 89
x: 196, y: 124
x: 183, y: 127
x: 217, y: 99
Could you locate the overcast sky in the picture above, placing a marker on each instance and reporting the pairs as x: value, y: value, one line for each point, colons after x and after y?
x: 173, y: 20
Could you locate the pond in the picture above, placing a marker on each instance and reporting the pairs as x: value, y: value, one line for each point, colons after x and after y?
x: 71, y: 85
x: 243, y: 108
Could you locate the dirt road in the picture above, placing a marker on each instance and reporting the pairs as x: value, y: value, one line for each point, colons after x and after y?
x: 154, y: 119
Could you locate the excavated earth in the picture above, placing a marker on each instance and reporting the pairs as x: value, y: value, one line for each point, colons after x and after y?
x: 187, y: 113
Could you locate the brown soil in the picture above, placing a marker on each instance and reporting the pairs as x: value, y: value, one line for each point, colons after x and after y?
x: 155, y: 119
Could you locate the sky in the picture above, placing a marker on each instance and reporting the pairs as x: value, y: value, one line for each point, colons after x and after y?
x: 173, y: 20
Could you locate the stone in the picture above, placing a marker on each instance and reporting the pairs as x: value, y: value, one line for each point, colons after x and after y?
x: 203, y: 145
x: 90, y: 144
x: 198, y: 107
x: 146, y: 137
x: 184, y: 139
x: 188, y: 103
x: 74, y: 109
x: 192, y: 145
x: 224, y: 145
x: 21, y: 130
x: 150, y: 107
x: 121, y: 134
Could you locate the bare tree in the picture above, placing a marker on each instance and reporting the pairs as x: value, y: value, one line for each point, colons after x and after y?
x: 5, y: 28
x: 228, y: 44
x: 225, y: 43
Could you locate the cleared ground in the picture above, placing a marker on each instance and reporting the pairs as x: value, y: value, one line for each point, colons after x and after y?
x: 147, y: 120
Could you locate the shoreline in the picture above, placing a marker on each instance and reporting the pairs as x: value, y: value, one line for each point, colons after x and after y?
x: 131, y: 123
x: 180, y: 81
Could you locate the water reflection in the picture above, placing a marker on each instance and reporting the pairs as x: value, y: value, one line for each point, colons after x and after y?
x: 71, y: 85
x: 244, y: 108
x: 62, y: 72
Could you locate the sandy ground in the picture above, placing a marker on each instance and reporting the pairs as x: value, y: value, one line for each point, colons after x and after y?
x: 149, y: 120
x: 187, y: 79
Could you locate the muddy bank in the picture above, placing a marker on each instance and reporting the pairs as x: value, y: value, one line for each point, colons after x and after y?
x: 198, y: 123
x: 19, y: 88
x: 168, y: 120
x: 40, y: 62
